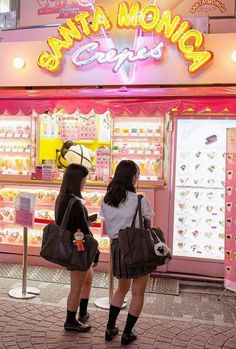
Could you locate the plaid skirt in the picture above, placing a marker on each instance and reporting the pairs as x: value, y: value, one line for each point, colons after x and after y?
x: 125, y: 272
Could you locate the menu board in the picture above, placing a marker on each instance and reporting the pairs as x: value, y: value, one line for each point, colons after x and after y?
x: 230, y: 211
x: 50, y: 125
x: 199, y: 206
x: 79, y: 127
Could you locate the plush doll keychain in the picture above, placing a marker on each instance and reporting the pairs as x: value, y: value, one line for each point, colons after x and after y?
x: 161, y: 249
x: 79, y: 241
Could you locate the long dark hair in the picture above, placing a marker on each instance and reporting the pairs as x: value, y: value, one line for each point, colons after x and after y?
x: 121, y: 183
x: 71, y: 183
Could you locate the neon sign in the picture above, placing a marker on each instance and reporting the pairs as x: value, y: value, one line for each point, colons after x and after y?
x: 148, y: 18
x: 201, y: 3
x: 113, y: 56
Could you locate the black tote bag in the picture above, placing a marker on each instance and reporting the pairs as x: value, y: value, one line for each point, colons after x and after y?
x: 57, y: 246
x: 137, y: 244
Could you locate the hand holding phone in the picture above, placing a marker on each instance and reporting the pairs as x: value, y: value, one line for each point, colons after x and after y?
x: 93, y: 217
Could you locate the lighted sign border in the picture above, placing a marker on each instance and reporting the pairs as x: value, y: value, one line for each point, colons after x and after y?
x: 175, y: 30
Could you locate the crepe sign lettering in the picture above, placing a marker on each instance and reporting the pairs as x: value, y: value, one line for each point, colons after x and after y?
x: 149, y: 18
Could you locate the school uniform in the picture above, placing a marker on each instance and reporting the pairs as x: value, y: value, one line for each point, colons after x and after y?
x: 117, y: 218
x: 78, y: 215
x: 78, y: 218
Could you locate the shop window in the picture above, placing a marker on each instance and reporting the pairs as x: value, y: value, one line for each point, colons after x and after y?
x: 4, y: 6
x: 8, y: 11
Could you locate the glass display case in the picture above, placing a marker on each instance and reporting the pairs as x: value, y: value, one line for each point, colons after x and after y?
x: 140, y: 141
x: 17, y: 145
x: 10, y: 233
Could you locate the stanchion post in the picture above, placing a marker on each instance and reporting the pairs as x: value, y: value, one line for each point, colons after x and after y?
x: 223, y: 292
x: 111, y: 278
x: 24, y: 292
x: 25, y: 255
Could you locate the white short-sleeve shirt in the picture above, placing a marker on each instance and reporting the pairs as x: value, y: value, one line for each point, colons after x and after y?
x: 117, y: 218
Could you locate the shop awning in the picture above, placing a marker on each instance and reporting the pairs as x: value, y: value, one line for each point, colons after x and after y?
x: 132, y: 101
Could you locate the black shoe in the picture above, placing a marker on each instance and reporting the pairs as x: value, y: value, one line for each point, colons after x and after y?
x: 110, y: 334
x: 77, y: 326
x: 128, y: 338
x: 84, y: 318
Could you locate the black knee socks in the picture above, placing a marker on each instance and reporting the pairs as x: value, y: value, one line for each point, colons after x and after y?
x: 130, y: 322
x: 83, y: 306
x: 71, y: 317
x: 113, y: 314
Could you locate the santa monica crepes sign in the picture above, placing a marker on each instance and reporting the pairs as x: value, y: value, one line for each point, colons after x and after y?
x: 148, y: 18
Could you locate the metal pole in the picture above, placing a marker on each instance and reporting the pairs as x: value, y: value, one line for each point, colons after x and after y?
x: 111, y: 278
x: 25, y: 255
x: 24, y: 292
x: 222, y: 294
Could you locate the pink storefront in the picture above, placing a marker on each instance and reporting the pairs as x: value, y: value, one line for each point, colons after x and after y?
x: 146, y: 96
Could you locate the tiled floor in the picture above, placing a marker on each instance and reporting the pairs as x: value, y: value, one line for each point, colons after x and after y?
x: 100, y: 280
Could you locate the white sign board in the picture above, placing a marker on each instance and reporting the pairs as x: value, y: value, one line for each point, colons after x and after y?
x: 25, y: 209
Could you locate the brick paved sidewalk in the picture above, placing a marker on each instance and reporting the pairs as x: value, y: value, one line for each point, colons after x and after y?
x: 27, y: 325
x: 192, y: 321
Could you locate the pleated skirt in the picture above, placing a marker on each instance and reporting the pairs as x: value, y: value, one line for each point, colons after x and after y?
x: 125, y: 272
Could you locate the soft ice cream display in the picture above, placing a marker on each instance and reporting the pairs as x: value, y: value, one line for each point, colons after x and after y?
x: 141, y: 142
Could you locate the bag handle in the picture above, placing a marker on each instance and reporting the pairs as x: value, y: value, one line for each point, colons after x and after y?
x: 138, y: 211
x: 66, y: 216
x: 141, y: 224
x: 153, y: 231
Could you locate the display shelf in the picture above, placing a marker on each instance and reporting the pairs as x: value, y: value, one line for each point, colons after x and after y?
x: 37, y: 204
x: 155, y: 137
x: 142, y: 142
x: 17, y: 145
x: 37, y: 221
x: 135, y: 154
x: 17, y: 249
x: 27, y: 181
x: 14, y: 153
x: 17, y: 138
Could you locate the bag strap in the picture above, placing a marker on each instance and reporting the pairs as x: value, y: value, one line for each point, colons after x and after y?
x: 141, y: 224
x: 65, y: 219
x: 138, y: 211
x: 147, y: 226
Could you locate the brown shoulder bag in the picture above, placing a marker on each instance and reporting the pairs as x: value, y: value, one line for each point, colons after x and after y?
x: 143, y: 246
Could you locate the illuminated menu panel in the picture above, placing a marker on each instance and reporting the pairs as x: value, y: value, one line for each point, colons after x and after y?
x: 199, y: 205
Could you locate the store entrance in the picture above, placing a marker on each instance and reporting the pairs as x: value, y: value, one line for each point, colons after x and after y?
x: 198, y: 195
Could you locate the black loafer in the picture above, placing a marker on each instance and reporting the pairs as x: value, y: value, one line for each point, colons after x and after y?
x: 128, y: 338
x: 84, y: 318
x: 110, y: 334
x: 78, y: 327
